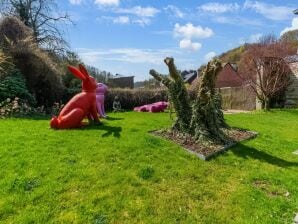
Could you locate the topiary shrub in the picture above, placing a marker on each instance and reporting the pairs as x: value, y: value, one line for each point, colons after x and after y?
x: 178, y: 95
x: 201, y: 116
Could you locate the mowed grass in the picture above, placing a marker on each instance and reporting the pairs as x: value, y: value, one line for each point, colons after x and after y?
x: 119, y: 173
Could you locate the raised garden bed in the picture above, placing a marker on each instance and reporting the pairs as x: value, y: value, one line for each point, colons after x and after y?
x: 202, y: 150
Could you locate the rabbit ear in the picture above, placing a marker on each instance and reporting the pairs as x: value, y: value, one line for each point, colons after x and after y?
x: 83, y: 70
x: 76, y: 72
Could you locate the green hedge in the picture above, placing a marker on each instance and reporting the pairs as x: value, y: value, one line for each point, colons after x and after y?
x: 131, y: 98
x: 14, y: 85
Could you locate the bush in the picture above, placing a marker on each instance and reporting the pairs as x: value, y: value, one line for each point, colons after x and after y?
x: 14, y: 85
x: 42, y: 74
x: 130, y: 98
x: 16, y: 108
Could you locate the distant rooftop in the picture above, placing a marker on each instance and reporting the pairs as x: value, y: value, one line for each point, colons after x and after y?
x: 292, y: 58
x: 189, y: 76
x: 235, y: 66
x: 295, y: 11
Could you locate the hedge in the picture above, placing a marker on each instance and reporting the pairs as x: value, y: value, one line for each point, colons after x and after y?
x: 130, y: 98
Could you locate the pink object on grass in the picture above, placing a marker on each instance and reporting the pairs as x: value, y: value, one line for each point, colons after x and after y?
x: 100, y: 99
x: 154, y: 107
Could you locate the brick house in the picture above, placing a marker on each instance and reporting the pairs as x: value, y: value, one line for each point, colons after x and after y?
x: 236, y: 94
x: 229, y: 77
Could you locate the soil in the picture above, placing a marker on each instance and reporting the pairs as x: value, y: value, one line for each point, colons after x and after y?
x: 202, y: 149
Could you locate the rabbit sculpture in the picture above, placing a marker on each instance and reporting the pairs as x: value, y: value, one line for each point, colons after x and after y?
x: 100, y: 99
x: 81, y: 105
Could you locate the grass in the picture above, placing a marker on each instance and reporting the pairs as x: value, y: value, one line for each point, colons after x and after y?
x: 118, y: 173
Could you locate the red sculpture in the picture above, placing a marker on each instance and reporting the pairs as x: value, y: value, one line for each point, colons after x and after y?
x: 81, y: 105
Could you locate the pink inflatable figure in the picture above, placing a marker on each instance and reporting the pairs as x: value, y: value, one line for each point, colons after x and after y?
x: 154, y: 107
x: 100, y: 99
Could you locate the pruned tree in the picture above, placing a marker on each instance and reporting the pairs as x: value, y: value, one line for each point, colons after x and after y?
x: 43, y: 17
x: 178, y: 95
x: 207, y: 117
x: 262, y: 67
x: 203, y: 119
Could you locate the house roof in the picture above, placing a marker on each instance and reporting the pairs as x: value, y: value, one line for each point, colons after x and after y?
x: 291, y: 59
x: 190, y: 77
x: 122, y: 77
x: 233, y: 65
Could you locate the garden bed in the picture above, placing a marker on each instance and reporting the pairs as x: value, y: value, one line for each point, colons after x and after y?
x: 202, y: 150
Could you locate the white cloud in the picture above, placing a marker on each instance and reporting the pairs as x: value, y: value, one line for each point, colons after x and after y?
x: 189, y: 45
x: 255, y: 37
x: 124, y: 20
x: 294, y: 26
x: 237, y: 21
x: 209, y: 56
x: 121, y: 20
x: 174, y: 11
x: 75, y: 2
x: 190, y: 31
x: 138, y: 11
x: 215, y: 7
x: 142, y: 21
x: 130, y: 55
x: 138, y: 15
x: 106, y: 2
x: 269, y: 11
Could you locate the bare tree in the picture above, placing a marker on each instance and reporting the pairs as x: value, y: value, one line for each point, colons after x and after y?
x: 43, y: 17
x: 262, y: 66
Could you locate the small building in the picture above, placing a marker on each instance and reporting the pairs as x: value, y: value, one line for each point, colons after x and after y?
x: 236, y: 94
x: 121, y: 82
x: 228, y: 77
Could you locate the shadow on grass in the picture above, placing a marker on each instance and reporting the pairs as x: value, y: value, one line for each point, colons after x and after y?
x: 246, y: 152
x: 114, y: 118
x: 33, y: 117
x: 109, y: 130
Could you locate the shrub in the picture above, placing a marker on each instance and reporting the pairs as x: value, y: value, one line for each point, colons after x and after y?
x: 14, y: 85
x: 16, y: 108
x: 3, y: 62
x: 130, y: 98
x: 41, y: 73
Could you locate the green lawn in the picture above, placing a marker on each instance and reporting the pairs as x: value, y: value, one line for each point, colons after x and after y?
x: 118, y: 173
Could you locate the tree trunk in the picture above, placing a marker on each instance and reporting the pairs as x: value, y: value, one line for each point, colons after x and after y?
x: 178, y: 95
x: 266, y: 104
x: 207, y: 118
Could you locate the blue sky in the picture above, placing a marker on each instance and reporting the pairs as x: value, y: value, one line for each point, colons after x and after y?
x: 130, y: 37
